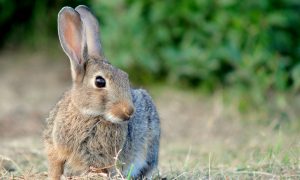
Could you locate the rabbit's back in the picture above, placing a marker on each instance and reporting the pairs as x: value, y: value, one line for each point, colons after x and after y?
x: 142, y: 143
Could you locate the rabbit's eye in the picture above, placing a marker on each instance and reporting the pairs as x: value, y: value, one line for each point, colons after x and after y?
x: 100, y: 82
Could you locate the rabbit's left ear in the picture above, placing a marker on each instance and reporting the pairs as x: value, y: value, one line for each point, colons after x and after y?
x: 94, y: 48
x: 72, y: 39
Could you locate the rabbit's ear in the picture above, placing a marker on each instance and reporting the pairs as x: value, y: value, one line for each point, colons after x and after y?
x: 91, y: 26
x: 72, y: 39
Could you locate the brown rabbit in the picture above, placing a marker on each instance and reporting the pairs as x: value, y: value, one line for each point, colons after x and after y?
x: 100, y: 115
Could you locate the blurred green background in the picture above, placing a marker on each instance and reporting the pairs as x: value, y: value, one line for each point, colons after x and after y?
x: 249, y: 48
x: 224, y: 75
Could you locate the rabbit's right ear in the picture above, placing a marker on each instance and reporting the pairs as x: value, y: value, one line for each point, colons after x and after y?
x: 72, y: 39
x: 91, y: 25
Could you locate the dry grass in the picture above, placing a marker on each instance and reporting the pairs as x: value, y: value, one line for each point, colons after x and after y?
x: 202, y: 137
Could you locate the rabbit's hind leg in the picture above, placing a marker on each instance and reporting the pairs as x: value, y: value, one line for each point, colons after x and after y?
x: 151, y: 163
x: 152, y: 157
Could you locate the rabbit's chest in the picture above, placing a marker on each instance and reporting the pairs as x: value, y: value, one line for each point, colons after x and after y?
x: 92, y: 141
x: 89, y: 131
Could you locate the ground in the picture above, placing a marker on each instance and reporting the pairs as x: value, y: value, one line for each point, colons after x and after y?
x: 202, y: 136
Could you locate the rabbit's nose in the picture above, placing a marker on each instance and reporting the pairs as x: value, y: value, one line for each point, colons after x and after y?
x: 122, y: 110
x: 127, y: 113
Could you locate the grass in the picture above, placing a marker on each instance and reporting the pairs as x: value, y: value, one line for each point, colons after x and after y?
x: 203, y: 136
x: 266, y: 161
x: 248, y: 151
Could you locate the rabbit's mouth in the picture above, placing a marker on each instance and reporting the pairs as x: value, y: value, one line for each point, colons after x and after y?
x: 115, y: 119
x: 106, y: 116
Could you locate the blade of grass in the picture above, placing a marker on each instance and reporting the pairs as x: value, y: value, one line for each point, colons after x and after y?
x: 130, y: 171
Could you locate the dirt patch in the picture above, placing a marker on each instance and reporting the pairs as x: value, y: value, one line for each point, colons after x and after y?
x: 30, y: 86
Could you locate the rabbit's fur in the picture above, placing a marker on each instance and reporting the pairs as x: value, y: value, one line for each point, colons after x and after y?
x: 88, y: 127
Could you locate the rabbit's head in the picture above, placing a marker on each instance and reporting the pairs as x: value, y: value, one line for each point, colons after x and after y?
x: 99, y: 89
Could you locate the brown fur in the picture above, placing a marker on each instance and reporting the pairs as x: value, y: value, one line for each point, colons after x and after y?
x: 71, y: 129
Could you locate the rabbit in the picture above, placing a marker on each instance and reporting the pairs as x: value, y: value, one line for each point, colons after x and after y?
x: 100, y: 122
